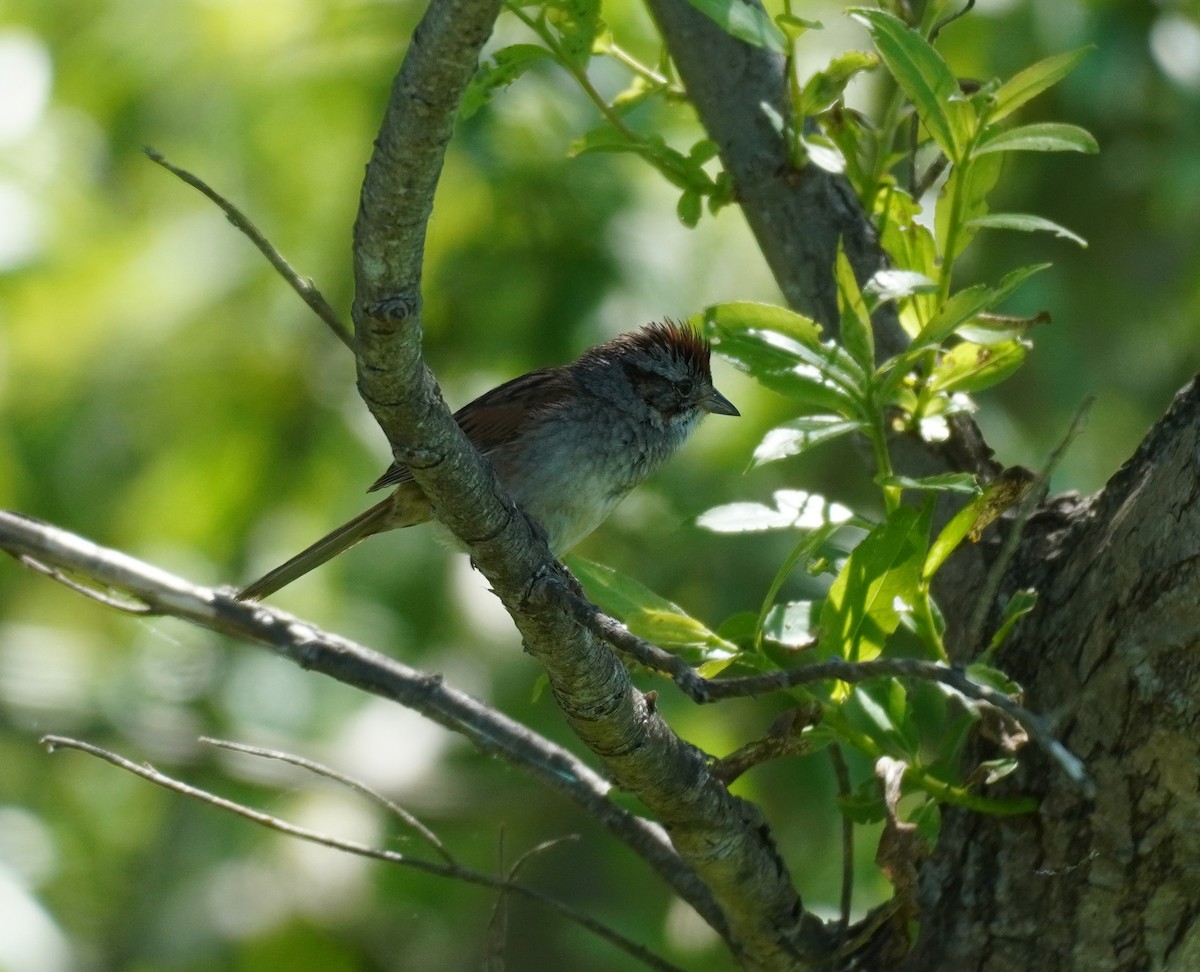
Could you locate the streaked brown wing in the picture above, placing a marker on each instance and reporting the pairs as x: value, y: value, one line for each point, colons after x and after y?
x: 497, y: 415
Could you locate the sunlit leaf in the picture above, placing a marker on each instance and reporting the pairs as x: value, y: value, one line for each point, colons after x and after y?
x: 794, y: 509
x: 877, y: 581
x: 946, y: 483
x: 1017, y: 606
x: 745, y: 21
x: 799, y: 435
x: 499, y: 71
x: 1026, y: 223
x: 791, y: 625
x: 647, y: 614
x: 1001, y: 494
x: 969, y: 367
x: 825, y: 87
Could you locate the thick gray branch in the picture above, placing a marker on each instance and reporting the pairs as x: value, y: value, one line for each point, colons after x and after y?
x: 725, y: 839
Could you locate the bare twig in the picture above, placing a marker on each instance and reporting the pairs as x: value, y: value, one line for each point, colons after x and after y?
x: 303, y: 286
x: 453, y: 871
x: 357, y: 785
x: 842, y: 773
x: 493, y: 733
x: 1025, y: 509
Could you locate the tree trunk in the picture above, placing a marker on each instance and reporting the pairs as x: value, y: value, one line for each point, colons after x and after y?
x: 1109, y: 653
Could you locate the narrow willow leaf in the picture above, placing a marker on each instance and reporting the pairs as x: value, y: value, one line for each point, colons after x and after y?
x: 1027, y: 223
x: 647, y: 614
x: 1004, y: 492
x: 791, y: 625
x: 794, y: 509
x: 1019, y: 605
x: 895, y: 284
x: 1042, y: 137
x: 723, y: 319
x: 857, y: 335
x: 968, y: 304
x: 924, y: 77
x: 971, y: 367
x: 747, y: 22
x: 800, y: 435
x: 1026, y: 85
x: 993, y: 678
x: 945, y: 483
x: 881, y: 575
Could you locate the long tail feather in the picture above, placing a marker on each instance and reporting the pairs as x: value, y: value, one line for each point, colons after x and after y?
x: 378, y: 517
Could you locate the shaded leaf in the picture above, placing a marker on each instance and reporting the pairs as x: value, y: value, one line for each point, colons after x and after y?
x: 946, y: 482
x: 1026, y: 85
x: 968, y: 304
x: 499, y: 71
x: 857, y: 335
x: 1042, y: 137
x: 922, y: 74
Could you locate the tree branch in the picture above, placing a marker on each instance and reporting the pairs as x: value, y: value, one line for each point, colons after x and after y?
x: 456, y: 872
x: 725, y: 839
x: 152, y: 591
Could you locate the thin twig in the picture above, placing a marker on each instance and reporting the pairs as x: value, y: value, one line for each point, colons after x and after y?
x: 124, y: 605
x: 357, y: 785
x: 842, y: 773
x: 303, y: 286
x: 703, y: 690
x: 455, y: 872
x: 1025, y: 509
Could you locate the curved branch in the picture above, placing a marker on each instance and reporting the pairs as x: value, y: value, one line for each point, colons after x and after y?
x: 155, y: 591
x: 725, y: 839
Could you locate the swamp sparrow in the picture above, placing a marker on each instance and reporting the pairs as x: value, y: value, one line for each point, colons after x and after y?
x: 568, y: 443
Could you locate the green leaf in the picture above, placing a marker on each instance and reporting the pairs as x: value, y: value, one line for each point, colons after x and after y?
x: 825, y: 87
x: 799, y: 435
x: 791, y: 625
x: 924, y: 77
x: 944, y: 483
x: 647, y: 614
x: 721, y: 320
x: 1042, y: 137
x: 969, y: 367
x: 1002, y: 493
x: 794, y: 509
x: 747, y: 22
x: 992, y: 678
x: 1031, y: 82
x: 783, y: 351
x: 1017, y: 606
x: 1026, y: 223
x: 896, y: 284
x: 877, y: 581
x: 690, y: 207
x: 577, y: 23
x: 499, y: 71
x: 857, y: 335
x: 968, y: 304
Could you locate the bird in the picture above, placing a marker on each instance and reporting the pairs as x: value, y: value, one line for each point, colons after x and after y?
x: 568, y: 442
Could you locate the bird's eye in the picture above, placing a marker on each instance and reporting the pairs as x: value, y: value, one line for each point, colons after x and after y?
x: 686, y: 387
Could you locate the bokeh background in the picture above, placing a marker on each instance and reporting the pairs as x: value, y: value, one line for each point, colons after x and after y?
x: 162, y: 391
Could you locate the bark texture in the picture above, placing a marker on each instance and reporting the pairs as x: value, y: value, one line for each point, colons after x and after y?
x: 1112, y: 651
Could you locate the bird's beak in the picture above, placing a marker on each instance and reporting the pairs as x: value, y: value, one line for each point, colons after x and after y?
x: 717, y: 403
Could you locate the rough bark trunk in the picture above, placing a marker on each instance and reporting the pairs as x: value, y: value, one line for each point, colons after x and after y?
x: 1111, y: 651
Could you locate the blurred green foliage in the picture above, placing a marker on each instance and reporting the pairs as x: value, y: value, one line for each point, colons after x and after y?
x: 162, y: 391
